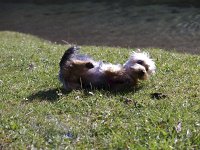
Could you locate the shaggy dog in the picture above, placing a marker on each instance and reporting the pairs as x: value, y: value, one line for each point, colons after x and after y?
x: 81, y: 71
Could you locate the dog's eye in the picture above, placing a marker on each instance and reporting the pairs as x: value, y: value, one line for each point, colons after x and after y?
x: 139, y: 62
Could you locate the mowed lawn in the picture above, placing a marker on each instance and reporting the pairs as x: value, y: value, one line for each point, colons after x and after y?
x: 35, y: 112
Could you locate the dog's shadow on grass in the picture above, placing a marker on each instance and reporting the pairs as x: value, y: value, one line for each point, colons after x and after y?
x: 50, y: 95
x: 53, y: 95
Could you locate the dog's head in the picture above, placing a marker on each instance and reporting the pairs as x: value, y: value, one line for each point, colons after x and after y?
x: 140, y: 65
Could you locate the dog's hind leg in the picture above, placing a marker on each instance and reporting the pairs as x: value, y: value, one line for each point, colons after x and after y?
x: 68, y: 54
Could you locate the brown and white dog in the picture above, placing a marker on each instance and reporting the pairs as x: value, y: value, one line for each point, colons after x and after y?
x: 80, y: 71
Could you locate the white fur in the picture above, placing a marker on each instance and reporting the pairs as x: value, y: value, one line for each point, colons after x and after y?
x: 138, y: 67
x: 143, y: 56
x: 111, y: 67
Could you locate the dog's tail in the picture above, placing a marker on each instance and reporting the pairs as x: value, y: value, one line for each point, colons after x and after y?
x: 68, y: 54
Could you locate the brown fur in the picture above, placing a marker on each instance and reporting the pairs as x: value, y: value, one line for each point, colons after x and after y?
x: 73, y: 72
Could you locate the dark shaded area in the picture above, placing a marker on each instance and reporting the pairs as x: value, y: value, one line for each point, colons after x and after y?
x: 50, y: 95
x: 130, y: 24
x: 121, y: 2
x: 158, y: 96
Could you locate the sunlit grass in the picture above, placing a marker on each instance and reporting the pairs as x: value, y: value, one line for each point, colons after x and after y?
x: 36, y: 113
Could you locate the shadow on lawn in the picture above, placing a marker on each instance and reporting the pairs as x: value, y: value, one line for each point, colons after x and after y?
x: 50, y: 95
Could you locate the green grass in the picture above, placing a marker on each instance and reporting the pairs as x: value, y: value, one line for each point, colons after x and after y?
x: 36, y: 113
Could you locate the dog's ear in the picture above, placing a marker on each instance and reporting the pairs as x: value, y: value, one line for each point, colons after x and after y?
x: 89, y: 65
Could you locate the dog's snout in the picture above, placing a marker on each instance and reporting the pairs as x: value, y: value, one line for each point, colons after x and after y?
x: 147, y: 68
x: 141, y: 73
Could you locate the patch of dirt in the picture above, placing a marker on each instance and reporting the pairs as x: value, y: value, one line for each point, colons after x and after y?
x: 87, y: 23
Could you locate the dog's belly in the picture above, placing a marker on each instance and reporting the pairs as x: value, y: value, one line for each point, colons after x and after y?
x: 94, y: 78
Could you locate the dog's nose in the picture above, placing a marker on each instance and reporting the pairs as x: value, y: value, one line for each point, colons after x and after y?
x: 147, y: 67
x: 141, y: 73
